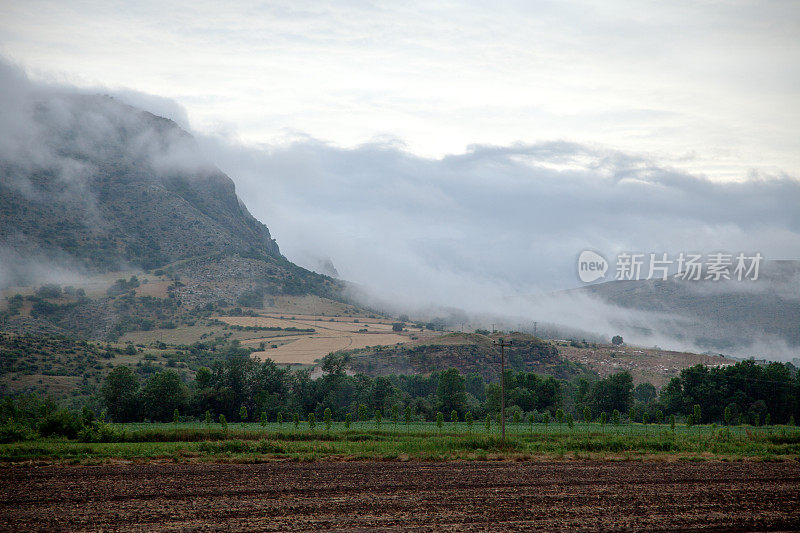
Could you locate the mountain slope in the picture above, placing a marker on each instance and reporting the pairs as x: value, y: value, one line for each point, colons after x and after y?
x: 722, y: 316
x: 106, y: 185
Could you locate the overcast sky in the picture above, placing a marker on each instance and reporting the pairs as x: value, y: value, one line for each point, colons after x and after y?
x: 460, y: 155
x: 710, y: 88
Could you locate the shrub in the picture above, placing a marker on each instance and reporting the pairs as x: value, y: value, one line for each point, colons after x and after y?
x: 408, y: 415
x: 99, y: 431
x: 348, y: 419
x: 296, y: 417
x: 615, y: 417
x: 439, y: 420
x: 395, y: 413
x: 328, y: 421
x: 280, y: 419
x: 454, y: 417
x: 570, y: 421
x: 377, y: 418
x: 223, y: 422
x: 312, y: 421
x: 60, y: 423
x: 468, y: 419
x: 12, y: 431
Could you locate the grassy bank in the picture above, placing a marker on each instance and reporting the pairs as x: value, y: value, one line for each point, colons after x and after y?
x: 420, y: 441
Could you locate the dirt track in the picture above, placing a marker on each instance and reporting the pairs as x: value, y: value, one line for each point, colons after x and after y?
x: 424, y: 496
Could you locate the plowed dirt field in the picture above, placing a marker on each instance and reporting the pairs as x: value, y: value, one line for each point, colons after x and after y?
x: 454, y: 496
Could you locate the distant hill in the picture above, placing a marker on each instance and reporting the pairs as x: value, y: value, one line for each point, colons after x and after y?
x: 468, y: 352
x: 730, y: 317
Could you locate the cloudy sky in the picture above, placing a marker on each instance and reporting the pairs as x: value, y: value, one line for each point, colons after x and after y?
x: 709, y: 87
x: 451, y: 151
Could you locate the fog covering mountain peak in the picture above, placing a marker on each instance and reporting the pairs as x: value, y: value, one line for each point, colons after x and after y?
x: 91, y: 183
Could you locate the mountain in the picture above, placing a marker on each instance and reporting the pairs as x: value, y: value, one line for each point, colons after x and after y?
x: 95, y: 186
x: 738, y: 317
x: 106, y: 185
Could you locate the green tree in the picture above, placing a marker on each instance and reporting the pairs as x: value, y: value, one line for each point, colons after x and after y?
x: 208, y: 418
x: 468, y: 418
x: 560, y: 415
x: 439, y: 420
x: 696, y: 414
x: 243, y: 414
x: 616, y: 340
x: 395, y: 415
x: 362, y: 414
x: 407, y: 417
x: 120, y: 393
x: 570, y: 421
x: 488, y: 423
x: 328, y: 419
x: 263, y: 419
x: 176, y: 417
x: 454, y: 417
x: 312, y: 421
x: 613, y: 392
x: 516, y: 417
x: 348, y: 419
x: 615, y: 417
x: 632, y: 415
x: 587, y: 414
x: 451, y: 392
x: 377, y: 418
x: 603, y: 419
x: 223, y: 422
x: 644, y: 393
x: 296, y: 420
x: 280, y: 419
x: 672, y: 422
x: 162, y: 394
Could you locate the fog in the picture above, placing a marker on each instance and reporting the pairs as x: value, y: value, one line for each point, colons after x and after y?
x: 490, y: 235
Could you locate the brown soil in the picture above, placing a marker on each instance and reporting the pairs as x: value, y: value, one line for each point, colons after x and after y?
x: 424, y: 496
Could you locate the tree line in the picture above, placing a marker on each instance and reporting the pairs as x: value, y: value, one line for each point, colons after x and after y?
x: 241, y: 385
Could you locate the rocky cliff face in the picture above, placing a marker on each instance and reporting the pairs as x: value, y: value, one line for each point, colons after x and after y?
x: 97, y: 183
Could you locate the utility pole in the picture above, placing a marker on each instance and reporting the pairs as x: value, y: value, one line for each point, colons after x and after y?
x: 502, y: 345
x: 534, y: 328
x: 492, y: 328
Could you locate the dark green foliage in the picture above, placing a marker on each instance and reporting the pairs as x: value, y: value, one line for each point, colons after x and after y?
x: 120, y: 393
x: 745, y: 387
x: 61, y: 423
x: 162, y: 394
